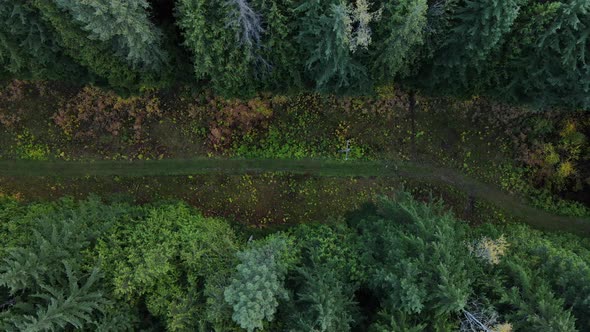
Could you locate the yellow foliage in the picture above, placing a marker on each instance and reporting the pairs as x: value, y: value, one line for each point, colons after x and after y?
x: 505, y: 327
x: 551, y: 156
x: 490, y: 250
x: 566, y: 169
x: 568, y: 129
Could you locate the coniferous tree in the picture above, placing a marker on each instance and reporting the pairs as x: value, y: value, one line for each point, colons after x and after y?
x: 326, y: 283
x: 210, y: 29
x: 477, y: 27
x: 97, y: 56
x: 124, y: 25
x: 282, y: 66
x: 50, y: 284
x: 325, y: 300
x: 325, y: 38
x: 546, y: 62
x: 418, y: 263
x: 258, y: 285
x: 29, y: 48
x: 552, y: 269
x: 402, y: 32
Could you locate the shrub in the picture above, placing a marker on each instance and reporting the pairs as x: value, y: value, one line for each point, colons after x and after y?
x: 94, y: 113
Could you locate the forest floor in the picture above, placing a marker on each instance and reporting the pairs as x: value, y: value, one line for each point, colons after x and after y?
x: 278, y: 159
x: 512, y: 205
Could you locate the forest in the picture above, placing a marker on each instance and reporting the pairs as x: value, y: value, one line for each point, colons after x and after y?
x: 295, y: 165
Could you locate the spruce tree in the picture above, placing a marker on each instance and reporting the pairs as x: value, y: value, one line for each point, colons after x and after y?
x: 325, y: 38
x: 543, y: 60
x: 283, y: 66
x: 48, y: 281
x: 477, y: 27
x: 29, y: 48
x: 258, y: 284
x: 418, y: 263
x: 402, y: 33
x: 97, y: 56
x: 124, y: 25
x: 212, y: 34
x: 325, y: 300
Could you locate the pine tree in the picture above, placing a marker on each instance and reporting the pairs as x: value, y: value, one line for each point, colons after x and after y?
x: 325, y: 301
x: 122, y: 24
x: 546, y: 58
x: 477, y: 27
x: 97, y: 56
x: 325, y: 37
x: 402, y: 31
x: 28, y: 46
x: 258, y: 286
x: 210, y: 34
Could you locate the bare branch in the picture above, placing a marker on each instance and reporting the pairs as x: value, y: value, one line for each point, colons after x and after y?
x: 249, y: 23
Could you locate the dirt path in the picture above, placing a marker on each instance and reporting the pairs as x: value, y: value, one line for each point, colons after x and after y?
x: 513, y: 205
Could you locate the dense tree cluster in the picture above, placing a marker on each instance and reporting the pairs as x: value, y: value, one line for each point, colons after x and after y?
x: 399, y: 265
x: 520, y: 51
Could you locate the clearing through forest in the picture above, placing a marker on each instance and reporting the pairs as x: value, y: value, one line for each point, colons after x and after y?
x: 513, y: 205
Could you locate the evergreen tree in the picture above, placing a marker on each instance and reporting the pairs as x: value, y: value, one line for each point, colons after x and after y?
x: 97, y: 56
x: 546, y: 62
x: 418, y: 262
x: 175, y: 259
x: 402, y: 33
x: 279, y: 52
x: 325, y: 37
x: 257, y: 287
x: 534, y: 306
x: 29, y: 48
x: 477, y: 27
x: 548, y: 279
x: 122, y: 24
x: 210, y: 32
x: 52, y: 284
x: 325, y: 300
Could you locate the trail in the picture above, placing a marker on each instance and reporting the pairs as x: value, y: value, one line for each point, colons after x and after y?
x: 511, y: 204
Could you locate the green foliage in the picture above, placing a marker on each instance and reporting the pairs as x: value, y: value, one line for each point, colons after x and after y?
x: 328, y: 279
x: 334, y: 247
x: 477, y: 27
x: 29, y: 47
x: 543, y: 60
x: 325, y: 30
x: 418, y: 264
x: 325, y: 301
x: 93, y: 54
x: 560, y: 57
x: 278, y: 49
x: 257, y: 286
x: 402, y: 31
x: 400, y: 265
x: 218, y: 56
x: 176, y: 260
x: 123, y: 25
x: 52, y: 281
x: 550, y: 274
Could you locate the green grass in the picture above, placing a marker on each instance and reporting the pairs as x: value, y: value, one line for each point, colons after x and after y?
x: 514, y: 206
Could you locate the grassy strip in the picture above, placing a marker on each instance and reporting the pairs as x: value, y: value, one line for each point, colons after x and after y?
x: 514, y: 206
x: 195, y: 166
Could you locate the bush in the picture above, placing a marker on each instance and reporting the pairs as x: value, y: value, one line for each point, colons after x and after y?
x: 94, y: 113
